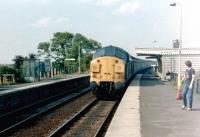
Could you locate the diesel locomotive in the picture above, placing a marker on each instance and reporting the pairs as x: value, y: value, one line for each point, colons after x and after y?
x: 110, y: 70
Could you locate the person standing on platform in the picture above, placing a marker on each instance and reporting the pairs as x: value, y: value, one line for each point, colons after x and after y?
x: 188, y: 85
x: 168, y: 75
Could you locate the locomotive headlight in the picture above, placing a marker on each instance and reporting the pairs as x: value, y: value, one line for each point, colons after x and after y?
x: 119, y: 68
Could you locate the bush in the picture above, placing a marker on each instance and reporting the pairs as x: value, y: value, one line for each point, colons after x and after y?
x: 10, y: 70
x: 7, y: 70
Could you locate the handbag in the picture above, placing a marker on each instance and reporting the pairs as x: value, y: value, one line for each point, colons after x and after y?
x: 178, y: 96
x: 178, y: 92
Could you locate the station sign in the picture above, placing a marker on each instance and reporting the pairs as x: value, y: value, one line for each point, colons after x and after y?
x: 70, y: 59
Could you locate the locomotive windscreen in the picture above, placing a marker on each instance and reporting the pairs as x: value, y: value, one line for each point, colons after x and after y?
x: 111, y: 51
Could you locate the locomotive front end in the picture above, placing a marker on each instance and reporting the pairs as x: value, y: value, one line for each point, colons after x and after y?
x: 107, y: 76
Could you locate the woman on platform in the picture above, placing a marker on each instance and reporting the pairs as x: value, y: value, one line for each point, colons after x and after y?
x: 188, y: 85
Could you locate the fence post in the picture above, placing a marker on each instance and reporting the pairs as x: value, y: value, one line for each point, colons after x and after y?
x: 1, y: 79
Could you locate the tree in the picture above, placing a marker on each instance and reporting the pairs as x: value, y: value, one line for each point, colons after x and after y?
x: 32, y: 56
x: 61, y: 41
x: 66, y: 45
x: 7, y: 70
x: 18, y: 61
x: 93, y: 45
x: 86, y: 59
x: 18, y: 65
x: 44, y: 49
x: 78, y: 40
x: 86, y: 46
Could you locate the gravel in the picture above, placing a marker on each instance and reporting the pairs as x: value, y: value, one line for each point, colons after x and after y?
x: 88, y: 125
x: 47, y: 124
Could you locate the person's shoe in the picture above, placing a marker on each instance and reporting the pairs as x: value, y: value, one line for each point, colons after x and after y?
x: 183, y: 107
x: 189, y: 109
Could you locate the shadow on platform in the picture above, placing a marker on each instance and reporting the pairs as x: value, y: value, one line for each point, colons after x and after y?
x: 154, y: 80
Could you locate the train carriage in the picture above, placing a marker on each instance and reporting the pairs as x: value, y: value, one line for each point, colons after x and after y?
x: 110, y: 69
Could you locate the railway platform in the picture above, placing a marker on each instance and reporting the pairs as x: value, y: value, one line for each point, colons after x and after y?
x: 14, y: 86
x: 149, y: 109
x: 24, y: 95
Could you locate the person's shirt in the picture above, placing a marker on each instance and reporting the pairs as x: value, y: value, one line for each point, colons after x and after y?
x: 189, y: 72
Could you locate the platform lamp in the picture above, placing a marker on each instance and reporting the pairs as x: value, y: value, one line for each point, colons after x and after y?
x: 180, y: 43
x: 79, y: 57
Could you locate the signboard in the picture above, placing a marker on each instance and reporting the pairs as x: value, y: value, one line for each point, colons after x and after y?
x: 70, y: 59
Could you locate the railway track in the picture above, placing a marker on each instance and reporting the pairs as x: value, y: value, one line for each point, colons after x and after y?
x: 11, y: 124
x: 88, y: 122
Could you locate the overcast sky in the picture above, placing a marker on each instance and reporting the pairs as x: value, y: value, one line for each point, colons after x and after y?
x: 123, y: 23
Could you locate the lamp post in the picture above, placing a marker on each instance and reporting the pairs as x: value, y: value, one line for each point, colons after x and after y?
x: 180, y: 43
x: 79, y: 57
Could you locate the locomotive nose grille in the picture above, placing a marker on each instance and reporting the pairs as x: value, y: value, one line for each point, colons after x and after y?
x: 107, y: 70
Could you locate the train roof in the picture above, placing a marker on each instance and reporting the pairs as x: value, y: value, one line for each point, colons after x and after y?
x: 111, y: 51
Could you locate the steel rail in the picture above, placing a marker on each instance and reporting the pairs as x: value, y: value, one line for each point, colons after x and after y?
x: 24, y: 108
x: 107, y: 119
x: 43, y: 112
x: 60, y: 130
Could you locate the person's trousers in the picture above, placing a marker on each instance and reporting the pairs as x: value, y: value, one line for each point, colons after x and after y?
x: 187, y: 92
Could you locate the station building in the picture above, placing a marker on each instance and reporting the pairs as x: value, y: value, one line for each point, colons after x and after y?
x: 168, y: 59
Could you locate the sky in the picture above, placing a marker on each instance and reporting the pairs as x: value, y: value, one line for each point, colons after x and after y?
x: 128, y: 24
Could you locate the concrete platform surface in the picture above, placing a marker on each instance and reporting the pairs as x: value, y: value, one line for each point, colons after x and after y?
x: 161, y: 114
x: 126, y: 121
x: 149, y: 109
